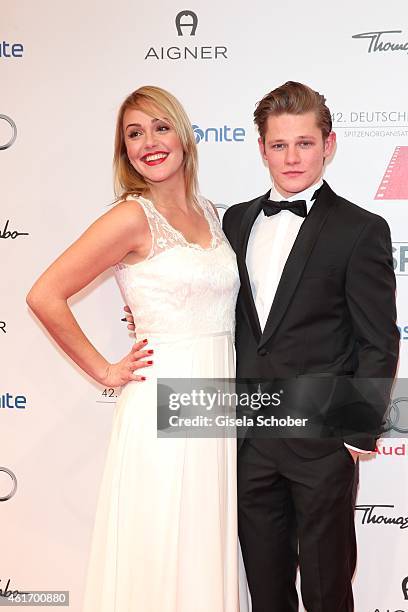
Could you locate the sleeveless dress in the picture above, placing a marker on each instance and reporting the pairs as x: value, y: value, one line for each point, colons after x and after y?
x: 165, y: 535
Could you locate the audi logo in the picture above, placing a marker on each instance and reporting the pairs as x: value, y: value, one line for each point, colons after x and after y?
x: 394, y: 416
x: 13, y: 136
x: 13, y: 484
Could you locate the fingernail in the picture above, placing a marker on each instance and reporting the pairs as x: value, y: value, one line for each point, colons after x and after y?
x: 150, y: 351
x: 143, y: 378
x: 145, y: 341
x: 149, y: 362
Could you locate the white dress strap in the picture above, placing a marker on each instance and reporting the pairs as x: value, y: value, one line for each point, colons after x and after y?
x: 164, y: 236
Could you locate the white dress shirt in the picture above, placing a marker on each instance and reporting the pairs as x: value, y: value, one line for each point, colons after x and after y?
x: 270, y: 242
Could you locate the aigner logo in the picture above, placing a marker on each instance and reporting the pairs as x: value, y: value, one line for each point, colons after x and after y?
x: 221, y: 134
x: 377, y: 42
x: 9, y: 139
x: 12, y: 488
x: 186, y: 24
x: 404, y: 587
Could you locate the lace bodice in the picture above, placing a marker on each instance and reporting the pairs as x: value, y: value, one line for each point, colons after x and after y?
x: 181, y: 287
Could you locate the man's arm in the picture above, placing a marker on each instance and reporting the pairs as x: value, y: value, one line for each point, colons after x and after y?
x: 370, y: 295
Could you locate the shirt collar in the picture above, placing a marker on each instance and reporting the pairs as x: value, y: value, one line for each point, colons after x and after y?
x: 306, y: 194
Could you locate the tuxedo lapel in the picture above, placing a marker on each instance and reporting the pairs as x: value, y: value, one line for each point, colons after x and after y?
x: 297, y: 260
x: 247, y: 222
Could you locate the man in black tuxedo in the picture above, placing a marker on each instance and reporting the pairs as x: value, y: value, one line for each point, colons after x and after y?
x: 317, y: 302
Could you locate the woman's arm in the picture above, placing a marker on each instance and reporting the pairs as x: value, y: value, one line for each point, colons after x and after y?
x: 108, y: 240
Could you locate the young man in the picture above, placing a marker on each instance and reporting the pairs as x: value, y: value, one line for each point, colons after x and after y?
x: 317, y: 298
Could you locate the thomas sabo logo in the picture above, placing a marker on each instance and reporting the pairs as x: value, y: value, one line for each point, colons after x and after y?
x: 383, y: 41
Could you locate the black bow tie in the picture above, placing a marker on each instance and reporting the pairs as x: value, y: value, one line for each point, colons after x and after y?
x: 298, y: 207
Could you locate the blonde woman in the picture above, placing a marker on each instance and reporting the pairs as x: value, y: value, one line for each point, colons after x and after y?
x: 165, y: 535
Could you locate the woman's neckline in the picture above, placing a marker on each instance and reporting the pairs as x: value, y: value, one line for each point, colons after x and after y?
x: 180, y: 233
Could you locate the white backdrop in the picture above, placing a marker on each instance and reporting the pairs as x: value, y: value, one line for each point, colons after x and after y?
x: 61, y: 84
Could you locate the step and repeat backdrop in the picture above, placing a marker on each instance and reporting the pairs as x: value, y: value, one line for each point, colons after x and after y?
x: 65, y: 67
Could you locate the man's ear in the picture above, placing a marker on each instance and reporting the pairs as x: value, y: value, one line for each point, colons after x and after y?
x: 329, y: 145
x: 261, y: 145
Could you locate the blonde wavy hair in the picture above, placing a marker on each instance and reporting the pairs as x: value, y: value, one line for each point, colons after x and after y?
x: 159, y: 103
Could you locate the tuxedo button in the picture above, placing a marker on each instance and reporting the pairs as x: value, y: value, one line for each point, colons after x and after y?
x: 262, y: 352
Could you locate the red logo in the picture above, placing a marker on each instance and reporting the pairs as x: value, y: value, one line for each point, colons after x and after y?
x: 388, y: 450
x: 394, y: 185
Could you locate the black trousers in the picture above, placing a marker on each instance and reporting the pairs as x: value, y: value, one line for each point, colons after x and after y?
x: 291, y: 511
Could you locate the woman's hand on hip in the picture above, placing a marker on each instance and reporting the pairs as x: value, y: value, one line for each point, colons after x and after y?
x: 127, y: 369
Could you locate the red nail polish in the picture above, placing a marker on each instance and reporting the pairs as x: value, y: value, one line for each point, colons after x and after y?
x: 143, y: 378
x: 145, y: 341
x: 150, y: 352
x: 149, y: 362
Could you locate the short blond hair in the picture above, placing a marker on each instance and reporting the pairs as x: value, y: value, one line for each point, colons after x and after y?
x: 156, y: 102
x: 295, y: 99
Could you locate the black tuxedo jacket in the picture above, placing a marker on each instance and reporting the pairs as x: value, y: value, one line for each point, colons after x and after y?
x: 334, y: 310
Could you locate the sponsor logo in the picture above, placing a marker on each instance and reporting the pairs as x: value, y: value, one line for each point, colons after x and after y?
x: 7, y: 400
x: 7, y: 139
x: 383, y: 41
x: 186, y: 19
x: 13, y: 234
x: 403, y: 330
x: 385, y: 450
x: 394, y: 185
x: 219, y: 134
x: 389, y: 610
x: 8, y: 489
x: 404, y: 586
x: 368, y: 117
x: 10, y: 595
x: 380, y: 514
x: 11, y: 49
x: 397, y: 419
x: 400, y: 258
x: 186, y: 24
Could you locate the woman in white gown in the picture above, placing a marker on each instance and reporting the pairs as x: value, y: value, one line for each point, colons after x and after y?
x: 165, y: 535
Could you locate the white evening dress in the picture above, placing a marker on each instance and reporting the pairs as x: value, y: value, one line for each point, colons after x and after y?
x: 165, y: 535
